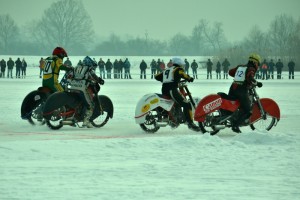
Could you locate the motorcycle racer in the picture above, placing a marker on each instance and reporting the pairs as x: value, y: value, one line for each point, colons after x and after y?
x: 170, y: 78
x: 86, y: 73
x: 52, y: 67
x: 243, y: 80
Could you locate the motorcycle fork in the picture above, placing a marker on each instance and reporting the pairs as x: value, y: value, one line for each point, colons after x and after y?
x: 261, y: 109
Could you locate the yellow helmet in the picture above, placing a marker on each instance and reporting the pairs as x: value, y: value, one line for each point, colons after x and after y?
x: 255, y: 58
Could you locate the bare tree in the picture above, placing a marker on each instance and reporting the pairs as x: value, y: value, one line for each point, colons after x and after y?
x: 281, y: 29
x: 179, y: 45
x: 65, y: 23
x: 8, y: 32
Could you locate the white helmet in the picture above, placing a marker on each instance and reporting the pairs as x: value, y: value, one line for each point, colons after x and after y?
x: 178, y: 61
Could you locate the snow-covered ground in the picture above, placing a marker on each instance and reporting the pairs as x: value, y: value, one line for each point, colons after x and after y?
x: 120, y: 161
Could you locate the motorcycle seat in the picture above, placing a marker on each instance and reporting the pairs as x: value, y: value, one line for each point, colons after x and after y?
x: 164, y: 96
x: 226, y: 96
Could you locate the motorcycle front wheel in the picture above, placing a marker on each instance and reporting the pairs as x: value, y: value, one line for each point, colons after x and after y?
x: 101, y: 120
x: 264, y: 124
x: 150, y: 125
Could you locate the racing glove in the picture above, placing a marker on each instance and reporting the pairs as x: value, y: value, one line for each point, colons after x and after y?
x: 191, y: 80
x: 259, y: 84
x: 101, y: 81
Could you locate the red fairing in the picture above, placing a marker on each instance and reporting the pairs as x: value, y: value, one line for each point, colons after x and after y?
x: 211, y: 103
x: 269, y: 105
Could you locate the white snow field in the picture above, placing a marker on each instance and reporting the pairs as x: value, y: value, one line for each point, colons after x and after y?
x: 120, y: 161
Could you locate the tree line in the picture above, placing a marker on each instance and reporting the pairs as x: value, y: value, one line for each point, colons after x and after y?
x: 66, y: 23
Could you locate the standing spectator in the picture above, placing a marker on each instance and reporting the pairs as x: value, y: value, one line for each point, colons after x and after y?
x: 271, y: 66
x: 194, y: 67
x: 291, y: 66
x: 186, y: 67
x: 162, y: 65
x: 18, y: 67
x: 3, y: 67
x: 68, y: 62
x: 225, y: 65
x: 143, y: 67
x: 121, y: 67
x: 153, y: 68
x: 116, y: 69
x: 279, y: 66
x: 108, y: 66
x: 170, y: 64
x: 218, y: 70
x: 264, y: 70
x: 209, y: 65
x: 23, y: 68
x: 101, y: 65
x: 158, y: 69
x: 42, y: 64
x: 127, y: 66
x: 10, y: 66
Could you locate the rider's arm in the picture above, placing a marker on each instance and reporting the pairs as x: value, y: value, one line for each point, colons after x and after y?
x: 232, y: 71
x: 159, y: 77
x: 183, y: 75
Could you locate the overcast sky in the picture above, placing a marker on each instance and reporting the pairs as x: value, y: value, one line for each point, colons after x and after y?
x: 162, y: 19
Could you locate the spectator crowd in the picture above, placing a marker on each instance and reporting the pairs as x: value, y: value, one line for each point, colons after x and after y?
x: 121, y: 68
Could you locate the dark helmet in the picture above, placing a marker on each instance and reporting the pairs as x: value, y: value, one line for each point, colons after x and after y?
x: 87, y: 61
x: 60, y: 52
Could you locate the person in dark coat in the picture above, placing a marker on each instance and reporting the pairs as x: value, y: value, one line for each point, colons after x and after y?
x: 18, y: 68
x: 243, y: 81
x: 225, y: 65
x: 271, y: 66
x: 143, y: 67
x: 279, y: 66
x: 291, y: 66
x: 23, y: 68
x: 10, y: 65
x: 218, y: 70
x: 108, y: 67
x: 194, y: 67
x: 187, y: 66
x: 116, y: 69
x: 3, y: 67
x: 153, y: 66
x: 209, y: 65
x: 101, y: 65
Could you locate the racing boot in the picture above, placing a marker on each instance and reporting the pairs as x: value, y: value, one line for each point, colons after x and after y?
x: 86, y: 120
x: 193, y: 127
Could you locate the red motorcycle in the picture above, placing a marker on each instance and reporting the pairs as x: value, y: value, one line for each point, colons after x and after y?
x: 217, y: 111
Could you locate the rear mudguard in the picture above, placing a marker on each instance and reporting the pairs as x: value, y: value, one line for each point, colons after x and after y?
x: 270, y: 107
x: 59, y: 99
x: 211, y: 103
x: 150, y: 102
x: 106, y: 105
x: 32, y: 100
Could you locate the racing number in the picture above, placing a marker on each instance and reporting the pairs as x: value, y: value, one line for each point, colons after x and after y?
x: 240, y: 73
x: 47, y: 67
x: 167, y: 73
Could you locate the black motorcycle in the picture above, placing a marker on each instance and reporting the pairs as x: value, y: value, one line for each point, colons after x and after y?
x: 68, y: 108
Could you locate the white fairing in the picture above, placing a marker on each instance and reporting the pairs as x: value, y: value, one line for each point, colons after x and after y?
x: 149, y: 102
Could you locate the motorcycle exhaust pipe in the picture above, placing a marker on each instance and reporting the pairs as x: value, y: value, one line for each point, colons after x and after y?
x: 161, y: 124
x: 219, y: 127
x: 65, y: 122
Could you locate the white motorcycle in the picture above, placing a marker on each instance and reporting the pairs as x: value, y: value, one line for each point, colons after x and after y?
x: 156, y: 110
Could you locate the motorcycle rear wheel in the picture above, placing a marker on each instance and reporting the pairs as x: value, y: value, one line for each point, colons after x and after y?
x: 150, y: 126
x: 55, y: 122
x: 264, y: 124
x: 206, y: 126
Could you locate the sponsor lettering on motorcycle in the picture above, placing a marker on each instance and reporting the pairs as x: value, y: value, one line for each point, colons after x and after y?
x: 212, y: 105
